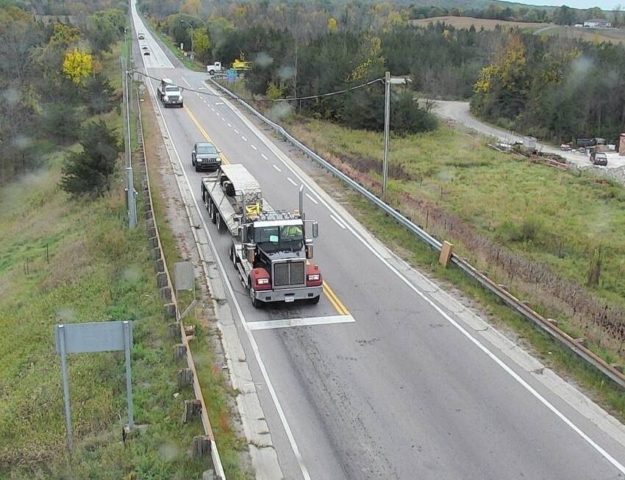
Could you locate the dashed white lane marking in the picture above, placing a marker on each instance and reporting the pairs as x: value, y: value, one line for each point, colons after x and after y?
x: 229, y: 124
x: 236, y: 131
x: 264, y: 156
x: 254, y: 147
x: 300, y: 322
x: 338, y: 222
x: 312, y: 199
x: 244, y: 139
x: 277, y: 168
x: 291, y: 180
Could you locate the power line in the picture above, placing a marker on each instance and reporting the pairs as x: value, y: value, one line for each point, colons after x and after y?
x: 288, y: 99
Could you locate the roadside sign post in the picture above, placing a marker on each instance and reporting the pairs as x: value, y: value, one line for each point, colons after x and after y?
x: 89, y: 338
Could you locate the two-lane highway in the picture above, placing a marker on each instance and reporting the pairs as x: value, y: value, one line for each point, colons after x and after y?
x: 382, y: 379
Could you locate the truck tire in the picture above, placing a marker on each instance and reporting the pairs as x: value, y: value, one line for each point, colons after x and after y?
x: 220, y: 222
x: 211, y: 72
x: 197, y: 168
x: 233, y: 256
x: 255, y: 302
x: 206, y: 199
x: 211, y: 210
x: 314, y: 301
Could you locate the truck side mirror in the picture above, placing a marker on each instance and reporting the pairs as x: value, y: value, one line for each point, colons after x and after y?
x: 315, y: 228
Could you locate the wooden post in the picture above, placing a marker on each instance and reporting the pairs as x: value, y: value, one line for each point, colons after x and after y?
x: 191, y: 409
x: 180, y: 351
x: 446, y: 252
x: 201, y: 445
x: 185, y: 377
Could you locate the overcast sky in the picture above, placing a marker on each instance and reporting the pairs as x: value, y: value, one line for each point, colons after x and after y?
x: 603, y: 4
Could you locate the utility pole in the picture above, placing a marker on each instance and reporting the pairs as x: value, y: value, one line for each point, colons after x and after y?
x: 388, y: 80
x: 192, y: 32
x: 387, y: 127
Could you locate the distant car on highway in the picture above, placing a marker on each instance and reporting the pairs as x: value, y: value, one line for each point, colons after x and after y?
x: 145, y: 47
x: 141, y: 36
x: 205, y: 156
x: 146, y: 52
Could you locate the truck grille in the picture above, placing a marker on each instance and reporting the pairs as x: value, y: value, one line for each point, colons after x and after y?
x: 288, y: 274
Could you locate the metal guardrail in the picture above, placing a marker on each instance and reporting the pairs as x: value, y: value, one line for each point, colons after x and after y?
x: 197, y: 390
x: 563, y: 338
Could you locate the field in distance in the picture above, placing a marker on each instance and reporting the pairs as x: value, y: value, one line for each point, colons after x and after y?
x: 613, y: 35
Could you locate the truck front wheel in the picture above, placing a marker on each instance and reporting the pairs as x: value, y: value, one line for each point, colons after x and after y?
x: 314, y: 301
x: 255, y: 302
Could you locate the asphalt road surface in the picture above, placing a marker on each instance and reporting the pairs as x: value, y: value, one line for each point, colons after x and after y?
x: 387, y: 377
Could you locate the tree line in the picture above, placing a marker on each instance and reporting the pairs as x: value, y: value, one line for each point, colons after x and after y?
x: 51, y: 81
x: 307, y: 49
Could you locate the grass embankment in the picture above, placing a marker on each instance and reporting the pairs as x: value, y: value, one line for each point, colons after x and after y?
x: 66, y: 262
x: 218, y: 395
x: 549, y: 220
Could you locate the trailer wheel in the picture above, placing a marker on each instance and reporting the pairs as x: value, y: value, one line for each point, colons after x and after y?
x: 220, y: 222
x: 233, y: 255
x: 206, y: 199
x: 211, y: 210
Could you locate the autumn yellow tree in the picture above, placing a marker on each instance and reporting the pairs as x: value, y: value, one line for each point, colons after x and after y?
x: 332, y: 25
x: 77, y: 65
x: 504, y: 84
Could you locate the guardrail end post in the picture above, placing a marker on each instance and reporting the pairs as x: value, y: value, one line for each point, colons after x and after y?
x: 446, y: 252
x: 582, y: 341
x: 553, y: 322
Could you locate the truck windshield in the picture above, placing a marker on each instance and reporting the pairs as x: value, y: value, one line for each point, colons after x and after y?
x: 171, y: 89
x: 276, y: 238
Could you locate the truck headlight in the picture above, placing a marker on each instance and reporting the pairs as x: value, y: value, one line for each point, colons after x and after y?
x: 262, y: 281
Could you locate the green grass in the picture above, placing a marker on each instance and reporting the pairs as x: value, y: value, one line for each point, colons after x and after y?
x: 556, y: 218
x: 97, y: 270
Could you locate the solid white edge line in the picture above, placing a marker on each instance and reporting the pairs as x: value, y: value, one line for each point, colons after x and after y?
x: 292, y: 181
x: 338, y: 222
x: 460, y: 328
x: 312, y: 199
x: 300, y: 322
x: 248, y: 331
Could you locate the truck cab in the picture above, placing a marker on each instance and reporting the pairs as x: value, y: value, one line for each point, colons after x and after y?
x: 170, y: 94
x: 214, y: 68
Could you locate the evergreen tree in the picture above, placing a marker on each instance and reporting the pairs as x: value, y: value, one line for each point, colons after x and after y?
x: 89, y: 172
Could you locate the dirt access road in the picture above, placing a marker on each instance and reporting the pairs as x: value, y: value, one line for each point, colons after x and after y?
x: 459, y: 112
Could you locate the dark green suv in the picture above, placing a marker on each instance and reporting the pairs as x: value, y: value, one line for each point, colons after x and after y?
x: 205, y: 156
